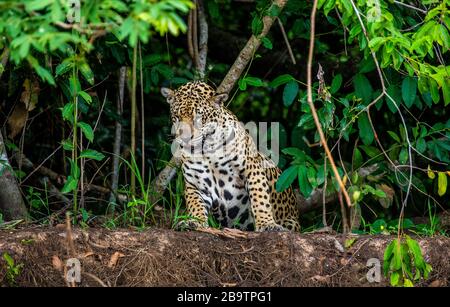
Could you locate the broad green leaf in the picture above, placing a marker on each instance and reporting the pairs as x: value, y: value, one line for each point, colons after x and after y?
x: 280, y: 80
x: 446, y: 91
x: 357, y: 160
x: 267, y: 43
x: 87, y: 131
x: 92, y: 154
x: 253, y: 81
x: 289, y: 93
x: 442, y: 183
x: 67, y: 111
x: 45, y: 75
x: 85, y: 96
x: 87, y: 73
x: 421, y: 145
x: 394, y: 136
x: 395, y: 278
x: 395, y: 93
x: 403, y: 157
x: 416, y: 251
x: 303, y: 182
x: 365, y: 129
x: 336, y: 84
x: 63, y: 67
x: 286, y: 178
x: 388, y: 253
x: 434, y: 90
x: 37, y: 5
x: 363, y: 89
x: 70, y: 185
x: 409, y: 90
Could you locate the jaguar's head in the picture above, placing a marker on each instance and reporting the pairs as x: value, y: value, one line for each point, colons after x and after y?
x: 191, y: 107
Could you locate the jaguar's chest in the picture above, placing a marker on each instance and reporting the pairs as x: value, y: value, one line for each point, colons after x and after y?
x: 221, y: 183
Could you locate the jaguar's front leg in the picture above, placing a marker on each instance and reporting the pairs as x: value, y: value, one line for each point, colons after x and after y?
x: 196, y: 210
x: 259, y: 192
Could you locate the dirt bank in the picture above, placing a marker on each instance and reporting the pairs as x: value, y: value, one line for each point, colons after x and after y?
x: 161, y: 257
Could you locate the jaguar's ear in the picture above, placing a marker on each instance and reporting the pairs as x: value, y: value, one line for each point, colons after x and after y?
x: 219, y: 99
x: 166, y: 92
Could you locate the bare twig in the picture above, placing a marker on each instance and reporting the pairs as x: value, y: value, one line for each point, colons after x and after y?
x: 142, y: 116
x: 313, y: 109
x: 286, y: 40
x: 203, y: 39
x: 410, y: 6
x: 118, y: 135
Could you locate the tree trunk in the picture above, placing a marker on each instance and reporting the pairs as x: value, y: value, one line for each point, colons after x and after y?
x: 11, y: 203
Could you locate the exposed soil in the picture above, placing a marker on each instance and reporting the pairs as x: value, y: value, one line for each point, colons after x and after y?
x: 161, y: 257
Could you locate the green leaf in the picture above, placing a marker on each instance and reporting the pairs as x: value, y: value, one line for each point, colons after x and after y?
x: 394, y: 136
x: 395, y: 278
x: 70, y: 185
x: 421, y: 145
x: 67, y: 112
x: 267, y: 43
x: 253, y: 81
x: 45, y: 75
x: 37, y: 5
x: 416, y: 251
x: 446, y: 92
x: 365, y: 129
x: 409, y: 90
x: 403, y: 157
x: 286, y: 178
x: 87, y: 73
x: 92, y: 154
x: 63, y: 67
x: 85, y: 96
x: 442, y: 183
x: 434, y: 90
x: 9, y: 260
x: 395, y: 93
x: 336, y: 84
x: 67, y: 144
x: 290, y: 92
x: 388, y: 253
x: 87, y: 131
x: 280, y: 80
x: 363, y: 89
x: 303, y: 182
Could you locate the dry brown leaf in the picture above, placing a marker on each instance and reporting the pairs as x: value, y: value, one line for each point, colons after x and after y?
x: 85, y: 255
x: 17, y: 120
x: 28, y: 101
x: 57, y: 263
x: 386, y: 202
x: 30, y: 94
x: 114, y: 259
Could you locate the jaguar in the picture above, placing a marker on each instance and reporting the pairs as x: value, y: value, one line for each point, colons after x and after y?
x: 225, y: 175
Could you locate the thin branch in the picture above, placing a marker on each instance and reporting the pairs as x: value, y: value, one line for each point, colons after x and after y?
x: 410, y: 6
x: 142, y: 116
x: 286, y: 40
x: 203, y: 39
x: 313, y: 109
x: 118, y: 135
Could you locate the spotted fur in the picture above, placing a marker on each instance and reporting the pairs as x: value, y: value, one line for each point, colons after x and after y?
x: 224, y: 173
